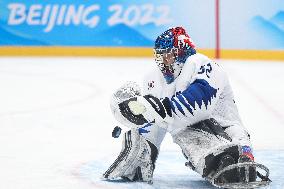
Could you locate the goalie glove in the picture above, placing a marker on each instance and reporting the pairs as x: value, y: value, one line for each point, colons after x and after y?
x: 133, y: 110
x: 124, y: 93
x: 146, y: 109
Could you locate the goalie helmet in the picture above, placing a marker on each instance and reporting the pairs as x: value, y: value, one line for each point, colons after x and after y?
x: 171, y: 50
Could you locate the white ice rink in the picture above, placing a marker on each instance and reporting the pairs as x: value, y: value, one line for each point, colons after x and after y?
x: 55, y: 122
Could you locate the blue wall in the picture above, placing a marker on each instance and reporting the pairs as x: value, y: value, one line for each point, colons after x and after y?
x: 254, y: 24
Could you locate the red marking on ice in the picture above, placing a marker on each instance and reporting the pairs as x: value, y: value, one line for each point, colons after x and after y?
x: 77, y: 175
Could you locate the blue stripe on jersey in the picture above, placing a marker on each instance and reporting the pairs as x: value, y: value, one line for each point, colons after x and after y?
x: 193, y: 95
x: 199, y: 91
x: 178, y: 105
x: 186, y: 104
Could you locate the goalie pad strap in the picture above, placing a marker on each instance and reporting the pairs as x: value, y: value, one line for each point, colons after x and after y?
x: 211, y: 126
x: 154, y: 153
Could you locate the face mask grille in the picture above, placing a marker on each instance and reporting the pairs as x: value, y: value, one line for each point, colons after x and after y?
x: 166, y: 60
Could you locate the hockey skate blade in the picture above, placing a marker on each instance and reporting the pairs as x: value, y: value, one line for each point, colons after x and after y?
x: 243, y: 185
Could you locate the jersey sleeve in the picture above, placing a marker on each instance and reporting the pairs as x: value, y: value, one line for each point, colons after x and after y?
x: 197, y: 101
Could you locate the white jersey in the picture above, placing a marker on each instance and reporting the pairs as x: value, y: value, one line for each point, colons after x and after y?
x: 201, y: 91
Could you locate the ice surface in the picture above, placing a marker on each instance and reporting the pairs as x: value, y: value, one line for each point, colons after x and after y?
x: 171, y: 172
x: 55, y: 121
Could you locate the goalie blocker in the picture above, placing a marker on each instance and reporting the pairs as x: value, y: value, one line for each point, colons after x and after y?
x: 140, y: 110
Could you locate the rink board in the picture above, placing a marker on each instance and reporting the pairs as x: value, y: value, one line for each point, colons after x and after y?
x: 133, y: 52
x: 235, y: 29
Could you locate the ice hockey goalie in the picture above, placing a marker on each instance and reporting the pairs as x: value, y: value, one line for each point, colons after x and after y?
x: 189, y: 96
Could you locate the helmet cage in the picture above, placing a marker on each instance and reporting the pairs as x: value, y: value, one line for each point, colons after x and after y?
x: 170, y: 71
